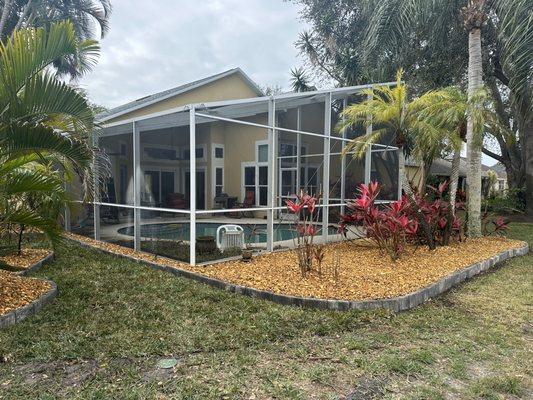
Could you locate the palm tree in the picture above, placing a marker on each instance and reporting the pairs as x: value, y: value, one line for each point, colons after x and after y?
x: 392, y: 20
x: 390, y: 112
x: 45, y: 126
x: 90, y: 19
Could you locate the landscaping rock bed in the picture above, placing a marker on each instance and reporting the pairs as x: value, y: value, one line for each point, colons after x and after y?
x: 366, y: 279
x: 21, y: 297
x: 30, y: 260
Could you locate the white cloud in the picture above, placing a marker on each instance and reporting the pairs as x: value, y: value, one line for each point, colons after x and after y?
x: 152, y: 46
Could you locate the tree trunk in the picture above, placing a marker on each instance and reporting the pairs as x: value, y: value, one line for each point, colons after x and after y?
x: 454, y: 178
x: 528, y: 149
x: 5, y: 13
x: 473, y: 141
x: 404, y: 181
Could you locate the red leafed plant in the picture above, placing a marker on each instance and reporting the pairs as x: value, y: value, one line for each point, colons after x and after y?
x: 437, y: 216
x: 305, y: 228
x: 391, y: 227
x: 496, y: 226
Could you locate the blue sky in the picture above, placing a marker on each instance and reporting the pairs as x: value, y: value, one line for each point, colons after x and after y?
x: 156, y: 45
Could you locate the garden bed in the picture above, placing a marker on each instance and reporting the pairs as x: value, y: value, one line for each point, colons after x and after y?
x: 29, y: 260
x: 363, y: 274
x: 17, y: 292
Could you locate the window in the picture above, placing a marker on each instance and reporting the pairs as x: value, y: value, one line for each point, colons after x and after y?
x: 160, y: 153
x: 219, y: 152
x: 255, y: 175
x: 262, y: 152
x: 158, y: 185
x: 219, y: 180
x: 249, y: 182
x: 200, y: 153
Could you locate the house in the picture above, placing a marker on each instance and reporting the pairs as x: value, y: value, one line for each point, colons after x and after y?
x: 441, y: 170
x: 499, y: 185
x: 216, y: 150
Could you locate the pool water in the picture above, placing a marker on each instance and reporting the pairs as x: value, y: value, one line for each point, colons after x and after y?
x: 180, y: 231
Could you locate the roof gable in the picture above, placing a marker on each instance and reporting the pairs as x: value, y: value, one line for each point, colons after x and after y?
x: 176, y: 91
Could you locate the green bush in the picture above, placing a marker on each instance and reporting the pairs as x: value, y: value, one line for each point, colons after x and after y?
x: 507, y: 202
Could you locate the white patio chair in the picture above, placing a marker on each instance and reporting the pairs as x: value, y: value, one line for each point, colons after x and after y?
x: 230, y: 236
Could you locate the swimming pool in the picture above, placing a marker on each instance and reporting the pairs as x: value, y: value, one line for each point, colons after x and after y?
x: 180, y: 231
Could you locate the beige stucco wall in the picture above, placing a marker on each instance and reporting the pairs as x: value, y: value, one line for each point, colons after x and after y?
x: 228, y: 88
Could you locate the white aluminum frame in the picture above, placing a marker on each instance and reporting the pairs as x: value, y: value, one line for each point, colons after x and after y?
x: 200, y: 113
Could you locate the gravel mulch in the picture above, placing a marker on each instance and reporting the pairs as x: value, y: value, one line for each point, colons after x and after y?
x: 363, y: 274
x: 16, y: 291
x: 28, y: 257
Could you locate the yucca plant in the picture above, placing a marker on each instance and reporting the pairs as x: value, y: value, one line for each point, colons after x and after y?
x: 45, y: 129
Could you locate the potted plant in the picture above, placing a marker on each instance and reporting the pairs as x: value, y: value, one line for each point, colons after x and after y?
x: 248, y: 251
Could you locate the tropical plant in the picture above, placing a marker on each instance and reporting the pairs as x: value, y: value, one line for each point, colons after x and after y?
x: 448, y: 109
x: 390, y: 227
x: 390, y: 112
x: 511, y: 19
x: 300, y: 82
x: 305, y: 228
x: 90, y: 19
x: 45, y: 130
x: 360, y: 41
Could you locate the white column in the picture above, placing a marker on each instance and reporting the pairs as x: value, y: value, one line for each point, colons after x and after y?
x: 298, y: 148
x: 325, y: 179
x: 96, y: 183
x: 271, y: 191
x: 192, y: 185
x: 137, y: 175
x: 343, y: 162
x: 368, y: 155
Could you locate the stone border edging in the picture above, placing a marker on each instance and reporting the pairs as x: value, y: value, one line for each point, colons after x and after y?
x: 400, y: 303
x: 37, y: 266
x: 16, y: 316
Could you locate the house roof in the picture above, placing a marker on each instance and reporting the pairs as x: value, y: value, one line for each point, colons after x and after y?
x: 443, y: 167
x: 165, y: 94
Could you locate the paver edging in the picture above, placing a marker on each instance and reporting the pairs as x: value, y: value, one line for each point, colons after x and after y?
x: 400, y: 303
x: 30, y: 309
x: 37, y: 266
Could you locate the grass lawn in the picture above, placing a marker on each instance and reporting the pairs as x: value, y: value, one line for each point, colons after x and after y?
x: 114, y: 320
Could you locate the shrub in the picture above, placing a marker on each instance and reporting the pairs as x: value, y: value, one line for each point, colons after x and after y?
x: 305, y: 228
x: 390, y: 227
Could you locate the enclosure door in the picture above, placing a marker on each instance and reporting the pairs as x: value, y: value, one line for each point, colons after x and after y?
x: 200, y: 188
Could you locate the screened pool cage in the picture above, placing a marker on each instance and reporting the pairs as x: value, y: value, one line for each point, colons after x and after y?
x: 180, y: 174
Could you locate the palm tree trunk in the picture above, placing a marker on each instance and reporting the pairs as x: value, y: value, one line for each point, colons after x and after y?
x: 454, y: 178
x: 423, y: 177
x: 473, y: 142
x: 404, y: 181
x: 528, y: 157
x: 5, y: 13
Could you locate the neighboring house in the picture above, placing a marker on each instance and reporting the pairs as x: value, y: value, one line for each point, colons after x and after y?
x: 442, y: 169
x: 500, y: 185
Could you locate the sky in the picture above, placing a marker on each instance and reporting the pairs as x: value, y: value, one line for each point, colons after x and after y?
x: 156, y: 45
x: 159, y: 44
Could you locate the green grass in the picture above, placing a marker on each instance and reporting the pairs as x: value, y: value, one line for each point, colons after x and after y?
x: 114, y: 320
